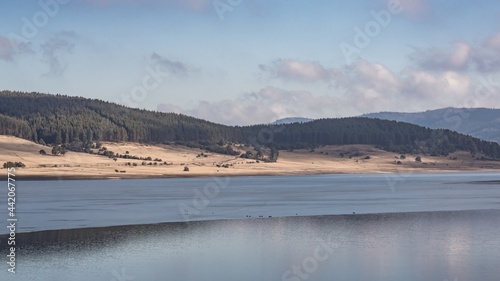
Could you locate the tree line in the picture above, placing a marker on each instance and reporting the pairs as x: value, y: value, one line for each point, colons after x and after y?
x: 71, y: 121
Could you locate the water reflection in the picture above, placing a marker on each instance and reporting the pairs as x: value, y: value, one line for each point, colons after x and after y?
x: 413, y: 246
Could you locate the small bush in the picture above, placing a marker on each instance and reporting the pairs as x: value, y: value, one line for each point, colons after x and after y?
x: 13, y: 165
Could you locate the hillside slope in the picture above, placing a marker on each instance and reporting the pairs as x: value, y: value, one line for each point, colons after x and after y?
x: 76, y: 122
x: 483, y: 123
x: 325, y: 160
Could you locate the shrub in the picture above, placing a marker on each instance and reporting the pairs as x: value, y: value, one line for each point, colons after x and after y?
x: 13, y: 165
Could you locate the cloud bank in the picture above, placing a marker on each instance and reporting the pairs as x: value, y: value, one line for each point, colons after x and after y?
x: 462, y: 76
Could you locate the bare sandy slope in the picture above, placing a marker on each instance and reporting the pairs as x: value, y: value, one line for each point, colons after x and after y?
x: 323, y: 160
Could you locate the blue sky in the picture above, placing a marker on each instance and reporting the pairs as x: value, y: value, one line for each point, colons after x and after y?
x: 252, y: 61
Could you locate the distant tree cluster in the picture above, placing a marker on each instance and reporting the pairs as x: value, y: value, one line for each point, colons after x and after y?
x: 219, y: 147
x: 13, y: 165
x: 58, y: 150
x: 259, y: 154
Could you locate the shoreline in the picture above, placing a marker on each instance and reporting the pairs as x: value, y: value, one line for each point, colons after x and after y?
x: 176, y: 161
x: 218, y: 175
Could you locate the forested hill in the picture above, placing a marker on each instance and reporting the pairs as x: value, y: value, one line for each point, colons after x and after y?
x: 63, y: 119
x: 56, y: 119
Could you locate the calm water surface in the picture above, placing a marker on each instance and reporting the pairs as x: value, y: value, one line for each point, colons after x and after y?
x: 44, y: 205
x: 428, y: 243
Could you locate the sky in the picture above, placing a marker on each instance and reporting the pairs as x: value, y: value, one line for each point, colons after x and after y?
x: 242, y: 62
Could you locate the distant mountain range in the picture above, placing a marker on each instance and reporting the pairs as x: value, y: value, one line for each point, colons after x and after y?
x: 483, y: 123
x: 290, y: 120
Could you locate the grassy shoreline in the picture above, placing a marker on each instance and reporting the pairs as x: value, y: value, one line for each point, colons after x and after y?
x: 183, y: 162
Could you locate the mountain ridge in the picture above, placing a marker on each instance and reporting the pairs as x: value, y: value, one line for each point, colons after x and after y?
x: 77, y: 121
x: 483, y: 123
x: 289, y: 120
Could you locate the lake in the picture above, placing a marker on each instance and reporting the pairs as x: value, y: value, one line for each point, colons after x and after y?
x: 44, y: 205
x: 405, y: 227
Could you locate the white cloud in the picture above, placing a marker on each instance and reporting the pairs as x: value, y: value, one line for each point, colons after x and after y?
x: 263, y: 106
x: 433, y: 90
x: 463, y: 56
x: 366, y: 87
x: 306, y: 71
x: 435, y: 78
x: 459, y: 58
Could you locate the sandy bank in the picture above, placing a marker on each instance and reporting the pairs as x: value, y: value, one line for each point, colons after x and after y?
x: 348, y: 159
